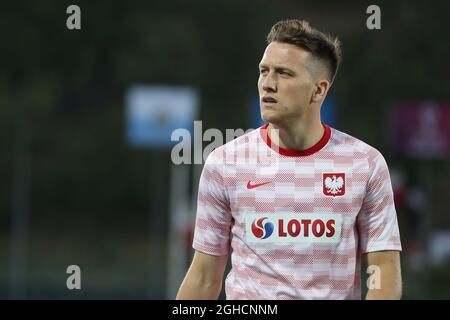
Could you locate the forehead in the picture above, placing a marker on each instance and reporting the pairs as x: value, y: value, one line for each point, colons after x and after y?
x: 284, y: 54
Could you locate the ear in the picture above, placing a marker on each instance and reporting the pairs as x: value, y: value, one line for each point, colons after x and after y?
x: 320, y: 90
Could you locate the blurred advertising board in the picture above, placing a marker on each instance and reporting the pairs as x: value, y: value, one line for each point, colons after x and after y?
x: 421, y: 129
x: 154, y: 112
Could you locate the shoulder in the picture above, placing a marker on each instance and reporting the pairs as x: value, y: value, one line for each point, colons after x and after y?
x: 234, y: 147
x: 343, y: 142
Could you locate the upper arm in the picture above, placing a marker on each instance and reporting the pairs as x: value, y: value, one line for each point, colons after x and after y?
x: 377, y: 219
x: 389, y: 259
x: 384, y: 268
x: 209, y: 267
x: 204, y: 277
x: 214, y: 218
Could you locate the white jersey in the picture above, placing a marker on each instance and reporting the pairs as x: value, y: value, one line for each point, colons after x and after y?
x: 295, y: 222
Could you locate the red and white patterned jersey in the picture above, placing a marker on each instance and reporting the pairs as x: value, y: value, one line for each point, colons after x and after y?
x: 295, y: 222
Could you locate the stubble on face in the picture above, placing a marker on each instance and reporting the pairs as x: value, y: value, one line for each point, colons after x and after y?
x: 287, y: 75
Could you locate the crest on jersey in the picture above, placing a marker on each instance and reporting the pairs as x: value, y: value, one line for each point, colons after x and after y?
x: 334, y: 184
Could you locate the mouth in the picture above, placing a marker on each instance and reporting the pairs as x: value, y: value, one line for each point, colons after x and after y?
x: 269, y: 100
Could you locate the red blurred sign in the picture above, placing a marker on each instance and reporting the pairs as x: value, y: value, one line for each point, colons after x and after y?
x: 421, y: 130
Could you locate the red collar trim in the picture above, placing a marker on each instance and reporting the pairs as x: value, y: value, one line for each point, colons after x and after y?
x: 296, y: 153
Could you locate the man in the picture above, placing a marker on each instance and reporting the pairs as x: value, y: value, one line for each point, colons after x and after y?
x: 298, y: 229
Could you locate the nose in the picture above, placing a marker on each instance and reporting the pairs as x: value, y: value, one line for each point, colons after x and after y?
x: 269, y: 84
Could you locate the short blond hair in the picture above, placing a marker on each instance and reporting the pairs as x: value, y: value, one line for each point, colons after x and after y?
x: 326, y: 48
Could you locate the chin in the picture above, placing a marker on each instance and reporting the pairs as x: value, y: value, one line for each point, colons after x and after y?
x: 270, y: 117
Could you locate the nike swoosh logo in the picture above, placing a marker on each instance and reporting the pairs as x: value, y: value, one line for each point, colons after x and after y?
x: 252, y: 186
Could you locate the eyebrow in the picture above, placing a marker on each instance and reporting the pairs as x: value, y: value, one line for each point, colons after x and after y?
x: 277, y: 68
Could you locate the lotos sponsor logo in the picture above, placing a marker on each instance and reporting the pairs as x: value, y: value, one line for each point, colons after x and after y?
x: 262, y: 229
x: 289, y: 227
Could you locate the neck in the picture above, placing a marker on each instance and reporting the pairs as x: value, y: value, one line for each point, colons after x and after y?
x: 300, y: 135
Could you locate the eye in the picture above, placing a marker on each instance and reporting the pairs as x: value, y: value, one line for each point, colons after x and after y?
x: 263, y: 71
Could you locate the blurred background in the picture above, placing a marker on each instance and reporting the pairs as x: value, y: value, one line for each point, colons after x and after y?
x: 83, y: 182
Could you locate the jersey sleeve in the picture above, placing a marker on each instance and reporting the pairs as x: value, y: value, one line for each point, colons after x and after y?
x: 377, y: 221
x: 213, y: 219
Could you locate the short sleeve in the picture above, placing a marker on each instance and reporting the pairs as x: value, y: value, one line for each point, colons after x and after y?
x: 213, y: 219
x: 377, y: 220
